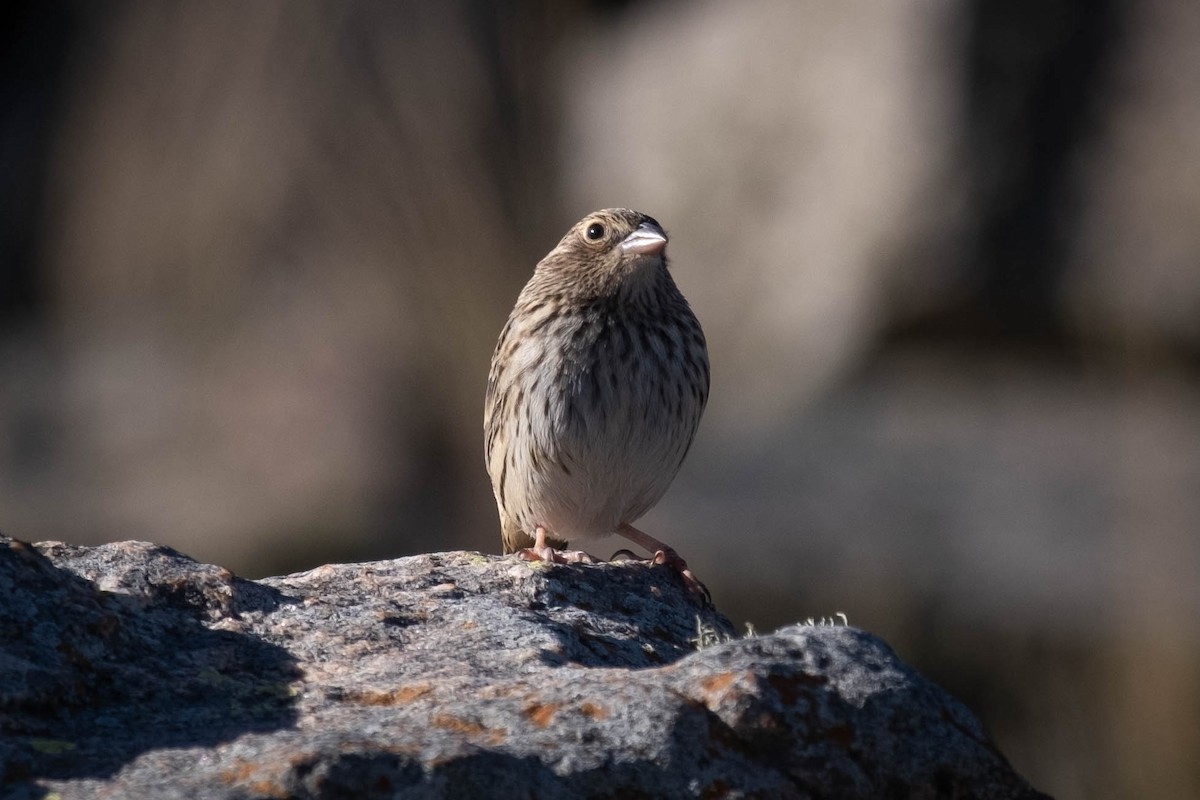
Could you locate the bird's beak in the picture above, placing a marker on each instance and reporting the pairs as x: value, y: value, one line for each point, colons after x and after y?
x: 648, y: 239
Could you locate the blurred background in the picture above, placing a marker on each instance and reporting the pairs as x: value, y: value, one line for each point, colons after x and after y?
x: 254, y: 259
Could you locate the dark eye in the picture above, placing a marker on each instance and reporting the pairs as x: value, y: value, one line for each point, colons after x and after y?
x: 595, y: 232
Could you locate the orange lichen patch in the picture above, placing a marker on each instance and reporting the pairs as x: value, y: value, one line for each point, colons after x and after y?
x: 465, y: 726
x: 470, y: 625
x: 716, y: 690
x: 241, y: 773
x: 452, y: 723
x: 245, y: 775
x: 399, y: 696
x: 718, y: 683
x: 541, y: 714
x: 594, y: 711
x: 268, y: 788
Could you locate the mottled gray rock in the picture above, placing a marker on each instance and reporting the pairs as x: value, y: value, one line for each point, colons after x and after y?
x: 131, y: 671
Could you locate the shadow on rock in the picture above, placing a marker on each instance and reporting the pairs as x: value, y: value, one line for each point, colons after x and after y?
x: 108, y: 652
x: 626, y: 615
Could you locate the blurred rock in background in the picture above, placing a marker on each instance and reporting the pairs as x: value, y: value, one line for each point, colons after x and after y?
x: 1134, y: 276
x: 253, y: 260
x: 798, y: 153
x: 276, y: 246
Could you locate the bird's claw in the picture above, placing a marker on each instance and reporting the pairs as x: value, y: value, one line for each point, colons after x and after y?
x: 552, y: 556
x: 673, y: 560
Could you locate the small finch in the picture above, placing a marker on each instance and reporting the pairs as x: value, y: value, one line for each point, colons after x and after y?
x: 596, y: 388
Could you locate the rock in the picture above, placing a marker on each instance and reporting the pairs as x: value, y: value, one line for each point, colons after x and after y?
x: 132, y: 671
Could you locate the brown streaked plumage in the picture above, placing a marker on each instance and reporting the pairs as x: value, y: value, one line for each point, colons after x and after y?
x: 596, y: 389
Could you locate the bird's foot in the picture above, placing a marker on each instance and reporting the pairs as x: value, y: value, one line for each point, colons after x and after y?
x: 673, y: 560
x: 552, y: 556
x: 544, y: 552
x: 665, y: 554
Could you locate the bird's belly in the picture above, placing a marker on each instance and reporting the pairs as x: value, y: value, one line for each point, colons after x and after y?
x: 610, y: 457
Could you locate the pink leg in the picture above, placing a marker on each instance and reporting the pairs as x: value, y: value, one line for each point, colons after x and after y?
x: 544, y: 552
x: 665, y: 554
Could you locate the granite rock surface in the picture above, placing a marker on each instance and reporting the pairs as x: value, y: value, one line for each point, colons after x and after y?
x: 131, y: 671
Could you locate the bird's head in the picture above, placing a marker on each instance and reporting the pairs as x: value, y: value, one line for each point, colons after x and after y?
x: 611, y: 252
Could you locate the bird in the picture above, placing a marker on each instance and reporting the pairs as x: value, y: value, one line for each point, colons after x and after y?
x: 596, y: 389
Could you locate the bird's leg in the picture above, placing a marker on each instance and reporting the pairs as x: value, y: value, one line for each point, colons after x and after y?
x: 665, y: 554
x: 544, y: 552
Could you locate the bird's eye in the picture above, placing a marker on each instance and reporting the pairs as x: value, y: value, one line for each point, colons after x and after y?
x: 595, y: 232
